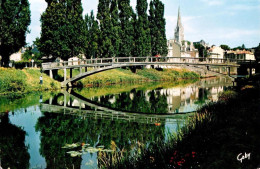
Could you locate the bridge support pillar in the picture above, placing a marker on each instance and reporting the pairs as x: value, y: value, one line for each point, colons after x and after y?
x: 80, y: 70
x: 51, y: 74
x: 70, y: 73
x: 65, y: 100
x: 65, y: 74
x: 86, y: 69
x: 69, y: 85
x: 228, y: 69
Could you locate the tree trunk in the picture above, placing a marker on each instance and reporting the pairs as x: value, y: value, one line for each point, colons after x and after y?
x: 5, y: 61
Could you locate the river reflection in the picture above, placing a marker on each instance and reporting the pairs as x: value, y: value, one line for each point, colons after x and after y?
x: 37, y: 132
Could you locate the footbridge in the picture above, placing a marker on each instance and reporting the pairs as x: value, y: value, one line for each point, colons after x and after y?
x: 103, y: 64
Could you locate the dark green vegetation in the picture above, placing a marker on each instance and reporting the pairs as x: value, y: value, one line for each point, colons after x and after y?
x: 202, y: 50
x: 212, y: 139
x: 142, y: 30
x: 157, y: 28
x: 12, y: 136
x: 117, y: 32
x: 24, y: 81
x: 257, y: 52
x: 14, y: 19
x: 62, y: 32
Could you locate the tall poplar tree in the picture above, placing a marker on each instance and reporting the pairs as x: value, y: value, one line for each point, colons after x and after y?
x: 126, y: 16
x: 91, y: 34
x: 103, y: 15
x: 157, y: 26
x: 62, y: 32
x: 15, y: 17
x: 142, y: 30
x: 116, y: 29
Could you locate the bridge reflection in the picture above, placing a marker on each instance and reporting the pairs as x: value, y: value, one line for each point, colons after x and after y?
x: 75, y: 104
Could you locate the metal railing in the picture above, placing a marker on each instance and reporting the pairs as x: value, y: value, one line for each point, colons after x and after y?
x: 142, y: 60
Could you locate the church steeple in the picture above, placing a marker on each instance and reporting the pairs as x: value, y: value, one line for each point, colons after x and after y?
x: 179, y: 30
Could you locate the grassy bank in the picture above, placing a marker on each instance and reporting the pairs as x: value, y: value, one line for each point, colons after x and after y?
x: 16, y: 81
x: 13, y: 102
x: 214, y: 138
x: 119, y: 76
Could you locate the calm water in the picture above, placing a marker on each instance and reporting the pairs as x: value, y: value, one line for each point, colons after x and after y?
x: 35, y: 129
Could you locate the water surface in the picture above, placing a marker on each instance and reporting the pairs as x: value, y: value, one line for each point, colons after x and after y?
x: 34, y: 128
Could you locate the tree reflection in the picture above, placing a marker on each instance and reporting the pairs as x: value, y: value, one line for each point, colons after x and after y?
x: 59, y: 129
x: 13, y: 152
x: 136, y: 101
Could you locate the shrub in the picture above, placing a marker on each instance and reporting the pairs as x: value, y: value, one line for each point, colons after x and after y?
x: 226, y: 95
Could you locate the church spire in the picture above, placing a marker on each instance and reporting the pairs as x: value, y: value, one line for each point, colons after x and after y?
x: 179, y: 30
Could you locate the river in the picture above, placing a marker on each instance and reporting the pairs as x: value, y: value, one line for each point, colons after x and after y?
x: 38, y: 130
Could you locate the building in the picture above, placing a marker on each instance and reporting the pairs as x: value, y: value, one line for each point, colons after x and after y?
x: 174, y: 49
x: 216, y: 52
x: 240, y: 54
x: 18, y: 55
x: 178, y: 47
x: 179, y: 30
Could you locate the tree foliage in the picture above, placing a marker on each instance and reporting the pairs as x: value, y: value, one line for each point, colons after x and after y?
x: 103, y: 15
x: 202, y: 50
x: 62, y: 29
x: 92, y: 32
x: 142, y: 30
x: 126, y: 17
x: 257, y: 52
x: 14, y: 22
x: 157, y: 26
x: 225, y: 47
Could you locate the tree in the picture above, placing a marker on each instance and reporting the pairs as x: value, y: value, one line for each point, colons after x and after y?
x: 126, y: 16
x: 257, y: 52
x: 92, y: 36
x: 103, y: 15
x: 62, y: 29
x: 225, y: 47
x: 116, y: 29
x: 142, y: 30
x: 14, y: 22
x: 157, y: 26
x: 202, y: 50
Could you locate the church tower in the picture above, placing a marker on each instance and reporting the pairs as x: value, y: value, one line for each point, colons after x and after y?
x: 179, y: 30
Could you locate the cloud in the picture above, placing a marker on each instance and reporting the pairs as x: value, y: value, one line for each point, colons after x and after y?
x: 213, y: 2
x: 244, y: 7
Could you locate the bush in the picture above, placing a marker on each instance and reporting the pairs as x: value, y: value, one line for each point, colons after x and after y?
x: 227, y: 95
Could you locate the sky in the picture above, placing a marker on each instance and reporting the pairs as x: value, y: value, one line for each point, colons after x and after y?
x: 230, y: 22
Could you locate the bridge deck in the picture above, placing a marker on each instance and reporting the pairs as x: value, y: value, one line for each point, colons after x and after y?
x: 141, y: 61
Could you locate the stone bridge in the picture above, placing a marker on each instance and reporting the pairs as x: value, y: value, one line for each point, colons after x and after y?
x: 104, y: 64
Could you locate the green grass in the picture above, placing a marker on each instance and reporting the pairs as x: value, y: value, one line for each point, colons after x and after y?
x: 24, y: 81
x: 121, y: 76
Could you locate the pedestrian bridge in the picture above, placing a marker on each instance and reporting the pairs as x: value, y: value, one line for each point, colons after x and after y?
x: 103, y: 64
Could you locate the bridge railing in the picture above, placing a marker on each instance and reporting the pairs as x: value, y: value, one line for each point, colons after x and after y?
x: 148, y: 59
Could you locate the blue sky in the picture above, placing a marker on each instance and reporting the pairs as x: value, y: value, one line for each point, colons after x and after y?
x: 231, y: 22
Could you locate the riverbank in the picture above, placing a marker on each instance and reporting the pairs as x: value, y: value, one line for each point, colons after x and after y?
x: 16, y: 81
x: 222, y: 135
